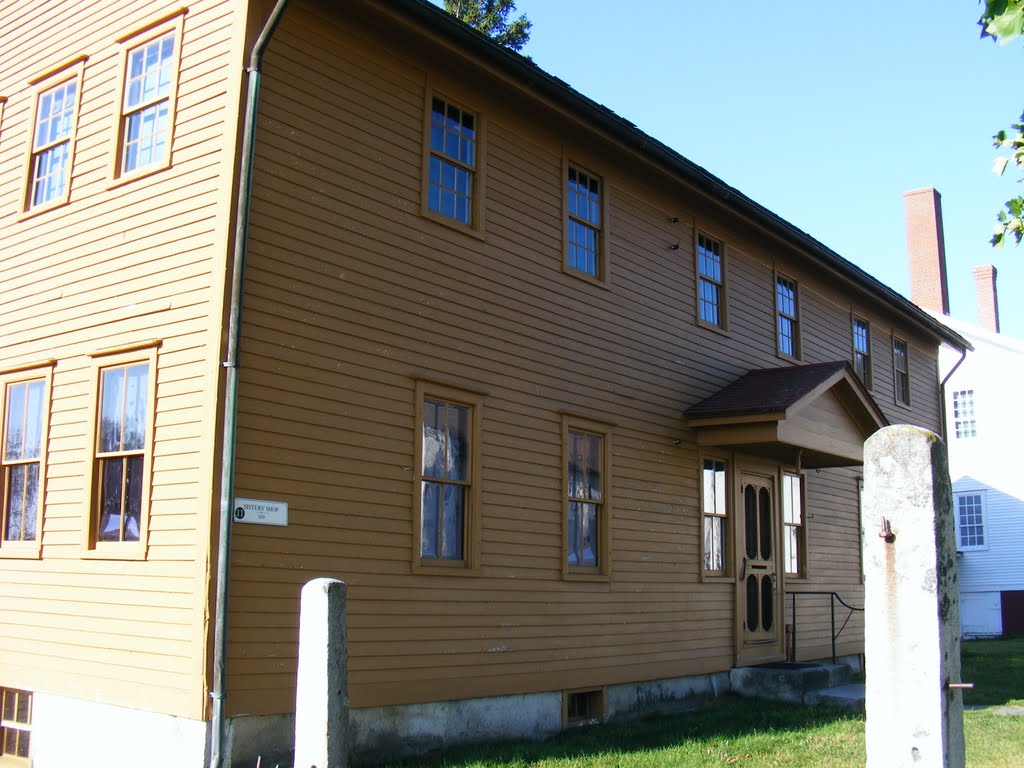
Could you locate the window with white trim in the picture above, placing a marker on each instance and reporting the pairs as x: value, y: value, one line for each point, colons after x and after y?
x: 584, y: 234
x: 964, y: 424
x: 901, y: 371
x: 970, y: 521
x: 788, y: 319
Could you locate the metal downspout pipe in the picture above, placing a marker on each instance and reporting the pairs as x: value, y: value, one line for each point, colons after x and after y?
x: 942, y: 396
x: 227, y: 478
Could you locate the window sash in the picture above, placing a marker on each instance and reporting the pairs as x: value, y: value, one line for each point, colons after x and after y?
x: 793, y: 524
x: 147, y: 102
x: 901, y: 367
x: 446, y: 478
x: 16, y: 724
x: 584, y: 200
x: 970, y: 521
x: 584, y: 499
x: 786, y: 307
x: 120, y: 453
x: 452, y: 161
x: 51, y: 143
x: 21, y: 459
x: 862, y: 351
x: 715, y: 514
x: 710, y: 268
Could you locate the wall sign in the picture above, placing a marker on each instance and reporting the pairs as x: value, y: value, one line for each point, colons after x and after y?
x: 261, y: 512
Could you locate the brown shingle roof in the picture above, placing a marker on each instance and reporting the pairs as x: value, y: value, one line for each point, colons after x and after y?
x: 766, y: 390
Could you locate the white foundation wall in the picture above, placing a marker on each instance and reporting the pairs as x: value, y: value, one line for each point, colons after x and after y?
x: 83, y: 734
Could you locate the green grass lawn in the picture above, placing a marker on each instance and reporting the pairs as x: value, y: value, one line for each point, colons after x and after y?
x: 742, y: 732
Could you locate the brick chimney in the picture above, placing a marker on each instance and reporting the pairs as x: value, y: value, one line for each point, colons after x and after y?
x: 927, y: 248
x: 988, y: 300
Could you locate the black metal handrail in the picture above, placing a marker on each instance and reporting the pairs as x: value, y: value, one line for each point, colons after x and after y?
x: 833, y: 597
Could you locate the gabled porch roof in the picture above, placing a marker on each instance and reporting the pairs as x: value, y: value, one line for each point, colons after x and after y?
x: 804, y: 415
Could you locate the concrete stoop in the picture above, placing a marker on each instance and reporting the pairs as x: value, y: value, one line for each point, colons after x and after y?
x: 812, y: 684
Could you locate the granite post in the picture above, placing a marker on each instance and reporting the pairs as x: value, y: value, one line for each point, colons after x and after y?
x: 912, y: 621
x: 321, y: 691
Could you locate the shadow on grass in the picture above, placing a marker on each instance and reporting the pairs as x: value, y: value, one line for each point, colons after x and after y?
x: 727, y: 718
x: 996, y: 667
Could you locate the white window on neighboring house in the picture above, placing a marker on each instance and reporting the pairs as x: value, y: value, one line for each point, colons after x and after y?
x: 970, y: 520
x: 964, y: 424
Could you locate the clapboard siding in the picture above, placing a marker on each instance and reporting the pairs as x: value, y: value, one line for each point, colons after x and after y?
x: 120, y: 264
x: 352, y: 295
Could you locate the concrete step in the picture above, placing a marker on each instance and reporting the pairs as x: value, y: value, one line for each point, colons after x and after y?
x: 849, y: 697
x: 788, y: 681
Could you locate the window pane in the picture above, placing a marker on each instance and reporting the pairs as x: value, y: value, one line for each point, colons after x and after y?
x: 576, y: 467
x: 15, y: 513
x: 458, y: 442
x: 430, y: 516
x: 133, y: 497
x: 14, y: 445
x: 434, y: 435
x: 111, y: 495
x: 589, y: 535
x: 593, y: 447
x: 575, y: 533
x: 111, y: 409
x: 454, y: 514
x: 33, y: 419
x: 135, y: 408
x: 714, y: 544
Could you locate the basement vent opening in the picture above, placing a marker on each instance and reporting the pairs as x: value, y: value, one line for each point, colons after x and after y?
x: 583, y: 707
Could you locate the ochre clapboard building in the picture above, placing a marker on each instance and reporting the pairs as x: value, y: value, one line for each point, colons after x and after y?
x: 571, y: 417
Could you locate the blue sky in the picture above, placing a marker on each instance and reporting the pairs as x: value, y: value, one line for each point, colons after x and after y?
x: 825, y: 113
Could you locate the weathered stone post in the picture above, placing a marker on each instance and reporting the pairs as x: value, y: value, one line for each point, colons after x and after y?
x: 321, y: 692
x: 912, y: 621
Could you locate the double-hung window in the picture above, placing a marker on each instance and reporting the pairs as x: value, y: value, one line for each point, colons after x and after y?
x: 447, y: 476
x: 710, y: 282
x: 452, y: 162
x: 862, y: 350
x: 122, y: 455
x: 584, y: 227
x: 970, y: 521
x: 964, y: 424
x: 901, y: 371
x: 53, y: 139
x: 795, y: 541
x: 25, y: 393
x: 715, y: 504
x: 587, y: 484
x: 148, y: 99
x: 788, y: 322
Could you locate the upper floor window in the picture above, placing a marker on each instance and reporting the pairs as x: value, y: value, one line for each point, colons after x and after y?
x: 52, y: 141
x: 901, y: 371
x: 584, y: 228
x: 150, y: 84
x: 788, y: 320
x: 23, y: 435
x: 587, y: 535
x: 716, y: 514
x: 964, y: 424
x: 862, y: 350
x: 970, y: 521
x: 795, y: 542
x: 452, y: 162
x: 448, y: 468
x: 710, y: 281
